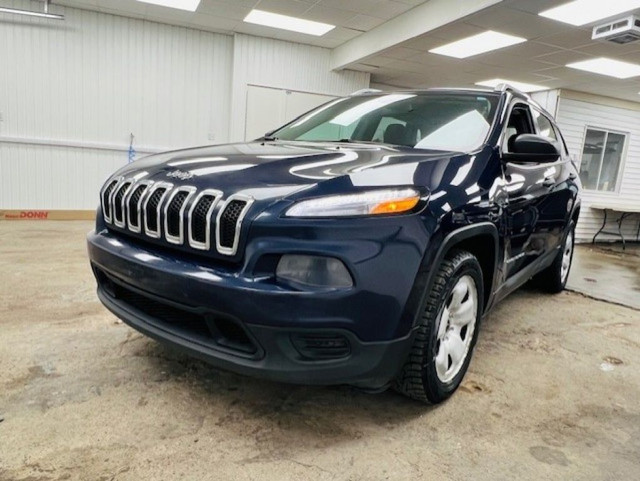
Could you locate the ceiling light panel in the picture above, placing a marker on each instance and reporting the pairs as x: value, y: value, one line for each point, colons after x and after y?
x: 608, y: 66
x: 189, y: 5
x: 285, y: 22
x: 582, y: 12
x: 522, y: 86
x: 477, y: 44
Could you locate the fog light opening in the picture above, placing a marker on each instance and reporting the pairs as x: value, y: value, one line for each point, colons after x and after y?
x: 313, y: 272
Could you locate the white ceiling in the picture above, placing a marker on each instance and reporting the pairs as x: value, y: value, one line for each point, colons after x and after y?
x: 541, y: 60
x: 551, y: 45
x: 352, y: 17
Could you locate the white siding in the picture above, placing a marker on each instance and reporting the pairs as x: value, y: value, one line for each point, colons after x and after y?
x: 71, y: 92
x: 85, y: 84
x: 285, y: 65
x: 573, y: 117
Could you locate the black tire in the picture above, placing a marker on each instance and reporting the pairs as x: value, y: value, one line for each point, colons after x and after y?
x: 551, y: 279
x: 418, y: 378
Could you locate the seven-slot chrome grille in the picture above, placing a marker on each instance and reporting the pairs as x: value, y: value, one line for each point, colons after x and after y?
x: 181, y: 215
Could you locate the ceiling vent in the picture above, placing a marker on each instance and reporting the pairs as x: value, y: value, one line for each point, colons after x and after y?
x: 621, y: 31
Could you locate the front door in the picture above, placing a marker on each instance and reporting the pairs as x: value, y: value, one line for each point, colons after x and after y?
x: 528, y: 185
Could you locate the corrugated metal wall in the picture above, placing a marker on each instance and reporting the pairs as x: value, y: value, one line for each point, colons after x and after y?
x: 71, y: 93
x: 573, y: 117
x: 85, y: 84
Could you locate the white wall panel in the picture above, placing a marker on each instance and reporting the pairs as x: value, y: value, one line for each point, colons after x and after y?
x: 37, y: 177
x: 284, y: 65
x: 573, y: 117
x: 92, y: 80
x: 71, y: 92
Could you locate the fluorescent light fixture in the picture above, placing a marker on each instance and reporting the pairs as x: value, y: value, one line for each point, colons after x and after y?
x: 285, y: 22
x: 581, y: 12
x: 608, y: 66
x: 31, y: 13
x: 189, y: 5
x: 522, y: 86
x: 476, y: 44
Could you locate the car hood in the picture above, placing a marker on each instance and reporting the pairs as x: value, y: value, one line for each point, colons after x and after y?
x: 267, y: 170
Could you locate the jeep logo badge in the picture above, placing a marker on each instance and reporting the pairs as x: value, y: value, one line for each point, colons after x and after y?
x: 180, y: 174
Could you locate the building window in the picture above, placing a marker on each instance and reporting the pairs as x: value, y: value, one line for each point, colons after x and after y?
x: 601, y: 159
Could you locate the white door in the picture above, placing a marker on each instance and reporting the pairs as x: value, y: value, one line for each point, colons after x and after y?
x: 297, y: 103
x: 265, y: 111
x: 269, y: 108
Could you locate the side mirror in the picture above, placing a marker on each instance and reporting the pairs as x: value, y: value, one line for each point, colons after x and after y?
x: 531, y: 148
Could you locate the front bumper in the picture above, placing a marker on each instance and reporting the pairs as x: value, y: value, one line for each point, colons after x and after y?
x: 160, y: 288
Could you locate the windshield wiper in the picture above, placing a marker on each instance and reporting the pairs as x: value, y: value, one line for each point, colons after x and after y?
x: 370, y: 142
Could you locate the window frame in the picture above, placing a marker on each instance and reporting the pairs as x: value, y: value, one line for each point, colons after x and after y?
x: 516, y: 102
x: 554, y: 125
x: 623, y: 157
x: 565, y: 147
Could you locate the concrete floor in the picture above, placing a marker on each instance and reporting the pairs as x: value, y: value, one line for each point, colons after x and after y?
x: 552, y: 393
x: 607, y: 272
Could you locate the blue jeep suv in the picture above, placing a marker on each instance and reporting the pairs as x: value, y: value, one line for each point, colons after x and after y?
x: 362, y: 243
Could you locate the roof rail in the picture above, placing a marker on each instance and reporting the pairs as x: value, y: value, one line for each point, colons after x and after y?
x: 365, y: 91
x: 505, y: 87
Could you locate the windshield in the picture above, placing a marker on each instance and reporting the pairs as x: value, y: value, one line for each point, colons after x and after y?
x: 457, y: 121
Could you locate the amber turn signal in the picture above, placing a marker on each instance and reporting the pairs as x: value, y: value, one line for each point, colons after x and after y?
x: 374, y: 202
x: 395, y: 206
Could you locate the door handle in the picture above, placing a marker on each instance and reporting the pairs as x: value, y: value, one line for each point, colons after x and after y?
x: 549, y: 181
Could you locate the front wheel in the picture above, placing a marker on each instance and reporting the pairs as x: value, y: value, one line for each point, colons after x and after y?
x: 447, y: 331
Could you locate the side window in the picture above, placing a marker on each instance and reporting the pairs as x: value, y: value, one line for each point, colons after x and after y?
x: 545, y: 127
x: 519, y: 123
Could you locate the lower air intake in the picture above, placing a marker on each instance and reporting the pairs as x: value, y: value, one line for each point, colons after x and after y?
x: 183, y: 321
x: 321, y: 346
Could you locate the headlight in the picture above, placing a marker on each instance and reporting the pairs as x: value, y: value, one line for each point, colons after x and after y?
x: 375, y: 202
